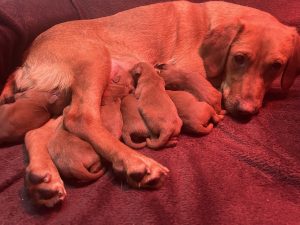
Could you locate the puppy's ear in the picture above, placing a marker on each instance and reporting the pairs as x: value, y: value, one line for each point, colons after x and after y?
x: 216, y: 45
x: 293, y: 66
x: 136, y: 72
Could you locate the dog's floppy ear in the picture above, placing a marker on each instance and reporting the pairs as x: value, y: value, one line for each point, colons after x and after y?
x: 293, y: 66
x: 216, y: 45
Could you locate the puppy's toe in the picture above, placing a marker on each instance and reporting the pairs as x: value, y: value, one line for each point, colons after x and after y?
x: 96, y: 167
x: 216, y: 118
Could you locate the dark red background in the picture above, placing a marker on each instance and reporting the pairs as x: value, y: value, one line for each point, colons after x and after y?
x: 239, y: 174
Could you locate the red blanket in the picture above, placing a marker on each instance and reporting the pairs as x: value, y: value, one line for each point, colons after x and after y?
x: 241, y: 173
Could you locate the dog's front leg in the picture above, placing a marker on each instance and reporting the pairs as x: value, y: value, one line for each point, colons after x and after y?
x: 42, y: 179
x: 202, y: 89
x: 192, y: 79
x: 83, y: 118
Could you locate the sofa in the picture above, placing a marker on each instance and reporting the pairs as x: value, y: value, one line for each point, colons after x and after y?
x: 241, y: 173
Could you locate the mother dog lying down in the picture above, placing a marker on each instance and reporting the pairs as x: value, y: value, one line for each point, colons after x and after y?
x: 226, y: 43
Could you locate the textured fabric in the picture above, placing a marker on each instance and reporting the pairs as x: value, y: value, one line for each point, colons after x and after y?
x: 241, y: 173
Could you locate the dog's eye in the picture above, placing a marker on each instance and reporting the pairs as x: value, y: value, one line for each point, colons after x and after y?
x: 275, y: 66
x: 240, y: 59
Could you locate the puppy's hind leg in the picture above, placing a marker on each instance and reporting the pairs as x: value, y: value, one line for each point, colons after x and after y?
x: 83, y: 118
x: 74, y: 158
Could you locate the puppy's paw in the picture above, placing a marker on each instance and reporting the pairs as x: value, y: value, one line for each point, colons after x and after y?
x: 44, y: 185
x: 141, y: 171
x: 172, y: 142
x: 218, y: 117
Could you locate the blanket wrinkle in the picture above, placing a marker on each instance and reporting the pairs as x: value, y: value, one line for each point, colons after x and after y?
x: 268, y: 157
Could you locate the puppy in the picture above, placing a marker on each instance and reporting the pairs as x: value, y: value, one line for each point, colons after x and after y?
x: 120, y: 85
x: 28, y: 110
x: 182, y: 79
x: 196, y: 116
x: 155, y: 106
x: 133, y: 125
x: 111, y: 117
x: 73, y: 157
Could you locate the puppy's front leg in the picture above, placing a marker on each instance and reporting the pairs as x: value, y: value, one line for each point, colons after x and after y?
x: 83, y: 118
x: 42, y: 179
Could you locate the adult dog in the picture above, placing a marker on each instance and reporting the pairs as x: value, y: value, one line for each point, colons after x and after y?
x: 239, y: 48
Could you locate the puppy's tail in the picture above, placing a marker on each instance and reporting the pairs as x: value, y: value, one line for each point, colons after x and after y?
x: 159, y: 142
x: 202, y: 130
x: 84, y: 174
x: 128, y: 141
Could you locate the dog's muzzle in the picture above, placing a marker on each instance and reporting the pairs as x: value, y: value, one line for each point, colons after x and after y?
x: 245, y: 109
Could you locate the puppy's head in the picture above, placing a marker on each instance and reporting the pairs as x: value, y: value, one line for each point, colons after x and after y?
x: 248, y: 55
x: 145, y: 70
x: 137, y: 71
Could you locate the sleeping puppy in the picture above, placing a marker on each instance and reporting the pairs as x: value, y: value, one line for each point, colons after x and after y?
x: 28, y: 110
x: 182, y: 79
x: 120, y: 85
x: 73, y: 157
x: 111, y: 117
x: 195, y: 113
x: 156, y: 107
x: 196, y: 116
x: 133, y: 125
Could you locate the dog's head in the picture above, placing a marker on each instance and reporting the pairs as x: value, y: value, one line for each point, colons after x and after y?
x: 248, y: 55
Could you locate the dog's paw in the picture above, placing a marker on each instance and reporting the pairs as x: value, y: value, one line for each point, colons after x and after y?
x: 141, y: 171
x: 44, y: 185
x: 214, y: 98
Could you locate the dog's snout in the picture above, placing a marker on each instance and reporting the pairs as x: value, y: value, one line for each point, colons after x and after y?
x: 246, y: 109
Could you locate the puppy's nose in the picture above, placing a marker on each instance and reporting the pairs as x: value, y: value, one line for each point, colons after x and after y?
x: 246, y: 109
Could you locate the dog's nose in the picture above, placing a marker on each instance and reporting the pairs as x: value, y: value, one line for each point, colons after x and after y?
x: 246, y: 109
